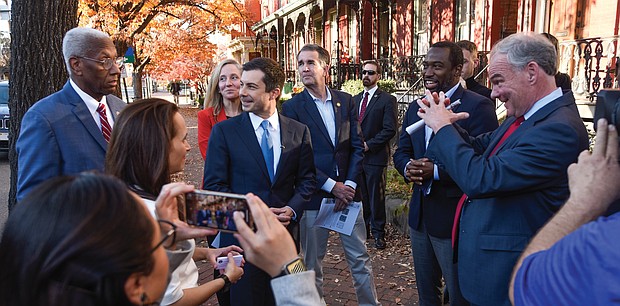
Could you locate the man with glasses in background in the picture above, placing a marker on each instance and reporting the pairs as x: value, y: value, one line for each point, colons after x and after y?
x: 68, y: 132
x: 377, y: 118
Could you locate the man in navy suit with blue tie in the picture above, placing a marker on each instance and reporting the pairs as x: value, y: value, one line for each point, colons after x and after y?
x: 435, y: 195
x: 266, y: 154
x: 338, y: 152
x: 515, y: 177
x: 68, y: 132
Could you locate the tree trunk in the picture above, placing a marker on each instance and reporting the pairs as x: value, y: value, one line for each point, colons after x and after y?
x: 37, y: 65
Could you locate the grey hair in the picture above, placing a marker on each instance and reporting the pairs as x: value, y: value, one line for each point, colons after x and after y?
x: 80, y: 42
x: 522, y: 48
x: 323, y: 53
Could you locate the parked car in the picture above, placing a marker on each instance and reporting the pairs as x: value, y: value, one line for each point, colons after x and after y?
x: 4, y: 116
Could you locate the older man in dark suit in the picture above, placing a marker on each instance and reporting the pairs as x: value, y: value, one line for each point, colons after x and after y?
x: 264, y: 153
x: 336, y: 141
x: 435, y: 195
x: 515, y: 177
x: 68, y: 132
x: 377, y: 117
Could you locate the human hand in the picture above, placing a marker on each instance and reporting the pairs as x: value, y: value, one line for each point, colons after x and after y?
x: 419, y: 170
x: 213, y: 254
x: 366, y: 147
x: 434, y: 112
x: 284, y: 214
x: 594, y: 180
x: 233, y: 272
x: 166, y: 207
x: 343, y: 192
x: 340, y: 205
x: 271, y: 246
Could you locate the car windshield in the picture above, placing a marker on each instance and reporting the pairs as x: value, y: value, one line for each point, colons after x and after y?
x: 4, y: 95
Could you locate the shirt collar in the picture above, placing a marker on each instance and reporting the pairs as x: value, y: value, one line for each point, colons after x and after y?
x: 274, y: 123
x: 329, y: 96
x: 451, y: 91
x: 557, y: 93
x: 371, y: 91
x: 90, y: 102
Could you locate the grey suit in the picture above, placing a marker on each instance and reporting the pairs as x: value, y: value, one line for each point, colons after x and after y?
x: 296, y: 290
x: 60, y: 137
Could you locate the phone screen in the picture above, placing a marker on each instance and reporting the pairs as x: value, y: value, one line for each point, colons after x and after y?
x: 215, y: 209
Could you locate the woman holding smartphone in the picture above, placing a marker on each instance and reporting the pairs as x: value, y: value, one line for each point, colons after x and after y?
x: 147, y: 146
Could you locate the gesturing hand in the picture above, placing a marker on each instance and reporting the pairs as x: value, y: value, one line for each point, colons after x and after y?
x: 593, y: 180
x: 434, y: 112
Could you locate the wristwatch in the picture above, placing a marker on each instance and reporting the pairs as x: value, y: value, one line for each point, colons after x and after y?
x: 295, y: 266
x: 227, y: 282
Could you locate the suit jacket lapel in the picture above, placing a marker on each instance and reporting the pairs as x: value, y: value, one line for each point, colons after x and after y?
x: 115, y: 108
x: 337, y: 110
x: 313, y: 112
x: 371, y: 103
x: 286, y: 137
x: 248, y: 136
x: 457, y: 95
x: 80, y: 110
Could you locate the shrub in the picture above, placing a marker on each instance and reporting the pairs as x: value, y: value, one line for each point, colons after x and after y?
x: 387, y: 85
x: 352, y: 87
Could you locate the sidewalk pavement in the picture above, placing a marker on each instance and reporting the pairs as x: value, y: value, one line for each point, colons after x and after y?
x: 392, y: 267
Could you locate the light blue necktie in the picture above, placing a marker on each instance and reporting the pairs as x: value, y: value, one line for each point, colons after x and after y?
x: 266, y: 145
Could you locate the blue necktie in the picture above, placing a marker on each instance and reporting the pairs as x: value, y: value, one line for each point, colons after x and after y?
x: 266, y: 145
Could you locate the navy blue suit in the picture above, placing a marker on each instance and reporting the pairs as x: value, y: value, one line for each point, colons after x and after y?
x: 60, y: 137
x: 341, y: 162
x: 511, y: 194
x: 235, y: 164
x: 431, y: 214
x: 437, y: 209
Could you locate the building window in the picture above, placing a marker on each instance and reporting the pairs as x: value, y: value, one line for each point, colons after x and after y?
x: 464, y: 19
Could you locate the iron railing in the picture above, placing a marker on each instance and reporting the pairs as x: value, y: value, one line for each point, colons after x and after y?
x: 592, y: 63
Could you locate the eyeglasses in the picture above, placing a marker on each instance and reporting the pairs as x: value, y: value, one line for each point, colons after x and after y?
x: 169, y: 234
x: 107, y: 62
x: 369, y: 72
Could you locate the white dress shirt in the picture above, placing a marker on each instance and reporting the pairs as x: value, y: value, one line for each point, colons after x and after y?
x: 274, y: 133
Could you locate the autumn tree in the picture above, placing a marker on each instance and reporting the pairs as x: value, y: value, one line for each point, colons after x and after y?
x: 37, y: 67
x: 147, y: 24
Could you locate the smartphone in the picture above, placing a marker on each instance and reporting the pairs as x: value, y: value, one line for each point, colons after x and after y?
x: 223, y: 261
x: 215, y: 209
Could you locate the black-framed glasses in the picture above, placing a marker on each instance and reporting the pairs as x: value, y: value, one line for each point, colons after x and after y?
x: 369, y: 72
x: 106, y: 62
x: 169, y: 234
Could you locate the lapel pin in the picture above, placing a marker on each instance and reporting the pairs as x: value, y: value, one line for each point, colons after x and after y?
x: 117, y: 113
x: 337, y: 104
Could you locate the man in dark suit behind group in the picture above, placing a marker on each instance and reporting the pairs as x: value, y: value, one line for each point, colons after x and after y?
x: 264, y: 153
x: 435, y: 195
x: 377, y: 118
x: 336, y: 141
x: 68, y: 132
x: 470, y: 64
x: 515, y: 177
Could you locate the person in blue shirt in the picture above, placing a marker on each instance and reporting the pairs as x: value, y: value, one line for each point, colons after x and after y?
x: 573, y: 260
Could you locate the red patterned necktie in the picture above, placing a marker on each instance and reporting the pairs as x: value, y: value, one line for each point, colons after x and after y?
x: 459, y: 207
x: 106, y: 129
x: 364, y: 104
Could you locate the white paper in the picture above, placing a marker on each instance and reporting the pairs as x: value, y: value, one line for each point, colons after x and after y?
x: 339, y: 221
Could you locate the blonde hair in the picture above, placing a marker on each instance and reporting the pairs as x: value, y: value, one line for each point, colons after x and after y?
x: 214, y: 98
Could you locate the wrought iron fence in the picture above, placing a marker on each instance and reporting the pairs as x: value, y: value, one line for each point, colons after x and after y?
x: 592, y: 63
